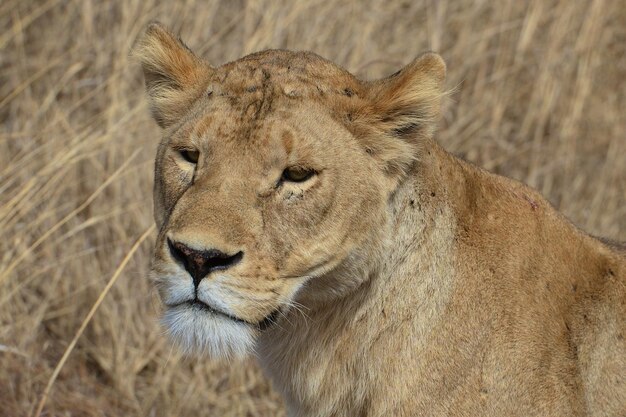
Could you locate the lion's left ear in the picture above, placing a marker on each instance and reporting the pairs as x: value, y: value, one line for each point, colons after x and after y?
x: 402, y: 109
x: 174, y: 76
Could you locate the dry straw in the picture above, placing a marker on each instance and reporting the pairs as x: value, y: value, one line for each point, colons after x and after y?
x: 85, y: 322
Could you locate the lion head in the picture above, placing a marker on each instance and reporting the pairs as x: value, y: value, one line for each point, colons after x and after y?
x: 272, y: 181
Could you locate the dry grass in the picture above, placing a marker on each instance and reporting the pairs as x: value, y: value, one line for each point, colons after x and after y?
x: 540, y: 98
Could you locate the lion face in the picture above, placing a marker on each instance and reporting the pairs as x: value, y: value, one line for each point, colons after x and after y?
x: 255, y: 213
x: 271, y: 183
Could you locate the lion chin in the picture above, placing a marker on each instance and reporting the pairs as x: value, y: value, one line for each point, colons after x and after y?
x: 197, y: 331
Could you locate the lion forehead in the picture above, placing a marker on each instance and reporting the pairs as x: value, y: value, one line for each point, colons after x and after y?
x: 288, y: 73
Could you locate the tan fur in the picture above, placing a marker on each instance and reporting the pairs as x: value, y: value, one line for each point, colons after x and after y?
x: 409, y: 282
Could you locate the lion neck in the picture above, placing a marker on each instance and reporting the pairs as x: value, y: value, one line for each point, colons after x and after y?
x: 317, y: 356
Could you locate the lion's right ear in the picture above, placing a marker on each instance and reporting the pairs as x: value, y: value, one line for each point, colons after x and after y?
x: 174, y: 76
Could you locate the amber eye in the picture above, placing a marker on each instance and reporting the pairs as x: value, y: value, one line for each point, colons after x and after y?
x: 190, y: 156
x: 297, y: 174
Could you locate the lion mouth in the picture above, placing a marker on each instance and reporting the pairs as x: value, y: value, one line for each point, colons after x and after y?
x: 197, y: 304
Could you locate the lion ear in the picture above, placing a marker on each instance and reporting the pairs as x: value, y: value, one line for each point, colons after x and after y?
x: 174, y: 76
x: 403, y: 109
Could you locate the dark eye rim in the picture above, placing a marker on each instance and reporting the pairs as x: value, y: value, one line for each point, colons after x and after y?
x: 190, y: 155
x: 288, y: 174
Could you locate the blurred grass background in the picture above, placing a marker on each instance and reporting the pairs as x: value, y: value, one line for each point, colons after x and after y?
x: 540, y: 97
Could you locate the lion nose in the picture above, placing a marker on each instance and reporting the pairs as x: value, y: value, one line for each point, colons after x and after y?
x: 199, y: 263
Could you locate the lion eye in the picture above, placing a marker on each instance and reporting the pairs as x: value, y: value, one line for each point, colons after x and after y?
x: 190, y: 155
x: 297, y: 174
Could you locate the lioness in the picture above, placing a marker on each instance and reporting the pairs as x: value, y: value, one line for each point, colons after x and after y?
x: 309, y: 217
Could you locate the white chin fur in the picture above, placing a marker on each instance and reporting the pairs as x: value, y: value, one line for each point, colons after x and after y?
x: 199, y: 331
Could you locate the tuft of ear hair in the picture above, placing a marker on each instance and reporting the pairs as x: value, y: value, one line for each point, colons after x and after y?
x: 401, y: 111
x: 174, y: 76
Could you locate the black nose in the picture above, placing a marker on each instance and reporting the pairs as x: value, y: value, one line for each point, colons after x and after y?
x: 199, y: 263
